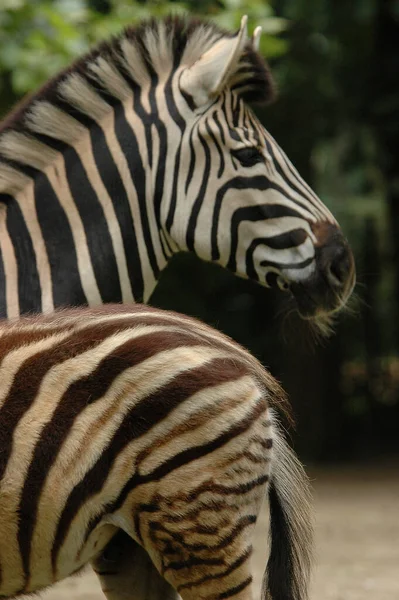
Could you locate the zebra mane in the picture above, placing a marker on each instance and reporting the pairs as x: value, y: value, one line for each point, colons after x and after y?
x: 85, y: 91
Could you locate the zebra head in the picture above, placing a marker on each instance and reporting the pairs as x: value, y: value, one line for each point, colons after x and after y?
x: 243, y: 203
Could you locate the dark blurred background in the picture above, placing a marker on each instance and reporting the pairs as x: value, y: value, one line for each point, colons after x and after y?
x: 336, y: 64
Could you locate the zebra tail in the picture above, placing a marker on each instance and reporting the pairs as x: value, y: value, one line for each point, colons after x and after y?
x: 291, y: 528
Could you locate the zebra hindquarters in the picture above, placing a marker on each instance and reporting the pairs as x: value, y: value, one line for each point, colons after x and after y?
x: 202, y: 491
x: 126, y: 572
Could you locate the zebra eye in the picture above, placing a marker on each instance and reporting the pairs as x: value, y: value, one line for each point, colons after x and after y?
x: 248, y: 156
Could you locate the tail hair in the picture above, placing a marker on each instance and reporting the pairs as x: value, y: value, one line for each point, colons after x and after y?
x: 291, y: 526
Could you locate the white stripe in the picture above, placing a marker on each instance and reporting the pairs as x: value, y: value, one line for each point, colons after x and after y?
x: 57, y: 177
x: 85, y: 152
x: 10, y: 266
x: 26, y: 202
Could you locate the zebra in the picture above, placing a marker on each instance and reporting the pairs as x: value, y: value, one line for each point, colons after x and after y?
x: 146, y: 147
x: 143, y: 148
x: 126, y: 418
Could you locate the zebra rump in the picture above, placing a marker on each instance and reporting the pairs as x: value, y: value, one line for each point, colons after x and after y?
x: 136, y: 421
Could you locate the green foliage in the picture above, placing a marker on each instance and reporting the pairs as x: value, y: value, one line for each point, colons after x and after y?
x: 40, y: 37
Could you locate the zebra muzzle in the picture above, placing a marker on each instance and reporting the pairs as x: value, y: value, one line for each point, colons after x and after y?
x: 331, y: 283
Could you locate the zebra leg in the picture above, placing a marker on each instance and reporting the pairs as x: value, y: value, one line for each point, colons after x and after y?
x: 201, y: 540
x: 126, y: 572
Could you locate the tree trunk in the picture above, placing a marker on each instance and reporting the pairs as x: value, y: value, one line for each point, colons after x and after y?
x: 385, y: 89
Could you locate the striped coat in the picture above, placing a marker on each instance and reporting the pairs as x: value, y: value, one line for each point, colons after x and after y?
x: 137, y: 422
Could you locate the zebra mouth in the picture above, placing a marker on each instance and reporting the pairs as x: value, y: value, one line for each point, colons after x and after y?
x: 316, y: 296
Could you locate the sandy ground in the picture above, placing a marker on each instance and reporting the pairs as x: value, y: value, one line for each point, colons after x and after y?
x: 357, y: 539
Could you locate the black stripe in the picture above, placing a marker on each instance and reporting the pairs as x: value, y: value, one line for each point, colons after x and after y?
x: 192, y: 162
x: 145, y: 117
x: 173, y: 197
x: 253, y: 124
x: 27, y: 170
x: 137, y: 527
x: 219, y: 126
x: 225, y: 541
x: 237, y: 563
x: 167, y: 249
x: 96, y: 228
x: 234, y: 590
x: 234, y: 102
x: 192, y: 223
x: 234, y: 135
x: 250, y: 270
x: 3, y: 304
x: 300, y: 265
x: 29, y: 291
x: 117, y: 192
x: 55, y: 144
x: 218, y: 148
x: 172, y: 106
x: 224, y: 490
x: 149, y: 119
x: 186, y: 96
x: 72, y: 111
x: 247, y: 122
x: 180, y: 122
x: 163, y: 149
x: 258, y: 182
x: 129, y: 145
x: 258, y: 212
x: 60, y: 246
x: 287, y: 239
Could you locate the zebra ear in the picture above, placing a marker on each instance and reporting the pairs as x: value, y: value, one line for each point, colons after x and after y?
x: 210, y: 73
x: 256, y: 37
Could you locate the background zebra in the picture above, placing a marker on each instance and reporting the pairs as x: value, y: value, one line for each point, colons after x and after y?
x: 135, y: 419
x: 146, y: 147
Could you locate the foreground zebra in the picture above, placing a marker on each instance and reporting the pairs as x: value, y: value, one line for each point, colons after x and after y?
x: 147, y: 147
x: 148, y: 422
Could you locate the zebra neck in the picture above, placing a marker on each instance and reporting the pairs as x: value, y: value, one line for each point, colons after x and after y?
x: 87, y: 230
x: 117, y: 159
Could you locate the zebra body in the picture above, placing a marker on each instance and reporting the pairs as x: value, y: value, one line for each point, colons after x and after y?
x: 130, y: 419
x: 147, y: 147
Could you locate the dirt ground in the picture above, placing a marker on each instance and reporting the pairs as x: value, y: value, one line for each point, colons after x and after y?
x: 357, y: 539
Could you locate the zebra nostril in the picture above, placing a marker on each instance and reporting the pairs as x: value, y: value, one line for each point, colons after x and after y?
x: 282, y: 284
x: 339, y: 267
